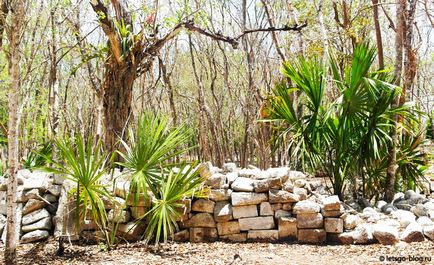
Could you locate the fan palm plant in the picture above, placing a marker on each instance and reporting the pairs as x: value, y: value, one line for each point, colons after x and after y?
x: 345, y: 138
x: 84, y: 164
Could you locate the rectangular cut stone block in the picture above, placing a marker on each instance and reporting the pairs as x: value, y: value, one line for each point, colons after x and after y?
x: 243, y: 184
x: 265, y: 209
x: 223, y: 211
x: 203, y: 234
x: 228, y: 228
x: 265, y: 235
x: 309, y: 220
x: 287, y: 227
x: 332, y: 213
x: 248, y: 198
x: 334, y: 225
x: 281, y: 196
x: 332, y: 203
x: 282, y: 213
x: 314, y: 236
x: 245, y: 211
x: 218, y: 195
x: 241, y: 237
x: 200, y: 220
x: 204, y: 206
x: 256, y: 223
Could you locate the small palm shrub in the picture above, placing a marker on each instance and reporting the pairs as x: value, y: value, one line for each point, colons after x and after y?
x: 40, y: 157
x: 84, y: 164
x: 346, y: 138
x: 149, y: 157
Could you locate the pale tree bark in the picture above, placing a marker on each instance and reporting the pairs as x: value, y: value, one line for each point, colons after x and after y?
x: 17, y: 13
x: 53, y: 100
x: 399, y: 44
x: 323, y: 30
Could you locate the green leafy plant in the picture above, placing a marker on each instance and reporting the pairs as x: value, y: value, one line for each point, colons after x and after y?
x: 38, y: 158
x: 84, y: 164
x: 347, y: 138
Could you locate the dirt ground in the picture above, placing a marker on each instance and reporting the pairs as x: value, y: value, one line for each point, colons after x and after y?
x: 229, y: 253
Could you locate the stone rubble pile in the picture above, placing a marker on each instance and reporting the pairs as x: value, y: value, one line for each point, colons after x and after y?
x: 242, y: 205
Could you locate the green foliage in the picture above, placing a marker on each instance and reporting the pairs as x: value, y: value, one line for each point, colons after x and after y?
x: 173, y: 187
x: 38, y: 158
x: 84, y: 164
x: 348, y: 137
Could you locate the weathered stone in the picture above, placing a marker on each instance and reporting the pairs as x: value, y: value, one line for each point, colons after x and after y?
x: 229, y: 167
x: 43, y: 224
x: 294, y: 175
x: 287, y: 227
x: 428, y: 231
x: 413, y: 233
x: 88, y: 225
x: 263, y: 235
x: 276, y: 206
x: 332, y: 203
x: 114, y: 203
x: 425, y: 221
x: 241, y: 237
x: 139, y: 199
x: 288, y: 186
x: 38, y: 180
x: 200, y: 220
x: 301, y: 193
x: 118, y: 216
x: 52, y: 208
x: 256, y: 223
x: 419, y: 210
x: 334, y: 213
x: 346, y: 238
x: 281, y: 213
x: 33, y: 205
x: 227, y: 228
x: 27, y: 195
x: 386, y: 235
x: 182, y: 236
x: 218, y: 195
x: 216, y: 181
x: 306, y: 207
x: 223, y: 212
x: 203, y: 234
x: 363, y: 234
x: 34, y: 236
x: 281, y: 196
x: 300, y: 183
x: 351, y: 221
x: 243, y: 184
x: 314, y: 236
x: 265, y: 209
x: 122, y: 189
x: 388, y: 208
x: 261, y: 185
x: 65, y: 218
x: 204, y: 206
x: 247, y: 198
x: 50, y: 197
x: 132, y: 231
x: 250, y: 173
x: 334, y: 225
x: 54, y: 190
x: 35, y: 216
x: 287, y: 206
x: 138, y: 212
x: 231, y: 177
x: 404, y: 217
x: 245, y: 211
x: 309, y: 220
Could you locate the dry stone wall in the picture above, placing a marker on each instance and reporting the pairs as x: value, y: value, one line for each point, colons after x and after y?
x: 242, y: 205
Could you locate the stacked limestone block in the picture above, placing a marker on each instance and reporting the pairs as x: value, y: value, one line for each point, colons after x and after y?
x: 38, y: 194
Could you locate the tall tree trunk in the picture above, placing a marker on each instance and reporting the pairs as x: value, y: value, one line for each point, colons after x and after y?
x: 378, y: 34
x: 399, y: 43
x: 53, y: 99
x: 14, y: 34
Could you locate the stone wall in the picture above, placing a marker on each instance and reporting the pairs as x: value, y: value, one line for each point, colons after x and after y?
x: 243, y: 205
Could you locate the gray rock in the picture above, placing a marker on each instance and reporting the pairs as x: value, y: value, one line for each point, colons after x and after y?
x: 404, y: 217
x: 413, y: 233
x: 223, y: 212
x: 229, y: 167
x: 306, y: 207
x: 43, y: 224
x: 248, y: 198
x: 34, y: 236
x: 388, y: 208
x: 386, y: 235
x: 380, y: 204
x: 428, y: 231
x: 425, y: 221
x: 243, y: 184
x: 220, y: 194
x: 265, y: 209
x: 202, y: 205
x: 50, y: 197
x: 403, y: 205
x: 35, y: 216
x: 419, y: 210
x: 281, y: 196
x: 33, y: 205
x: 200, y: 220
x: 231, y: 177
x: 118, y: 216
x: 54, y: 190
x: 261, y: 185
x: 216, y: 181
x: 282, y: 213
